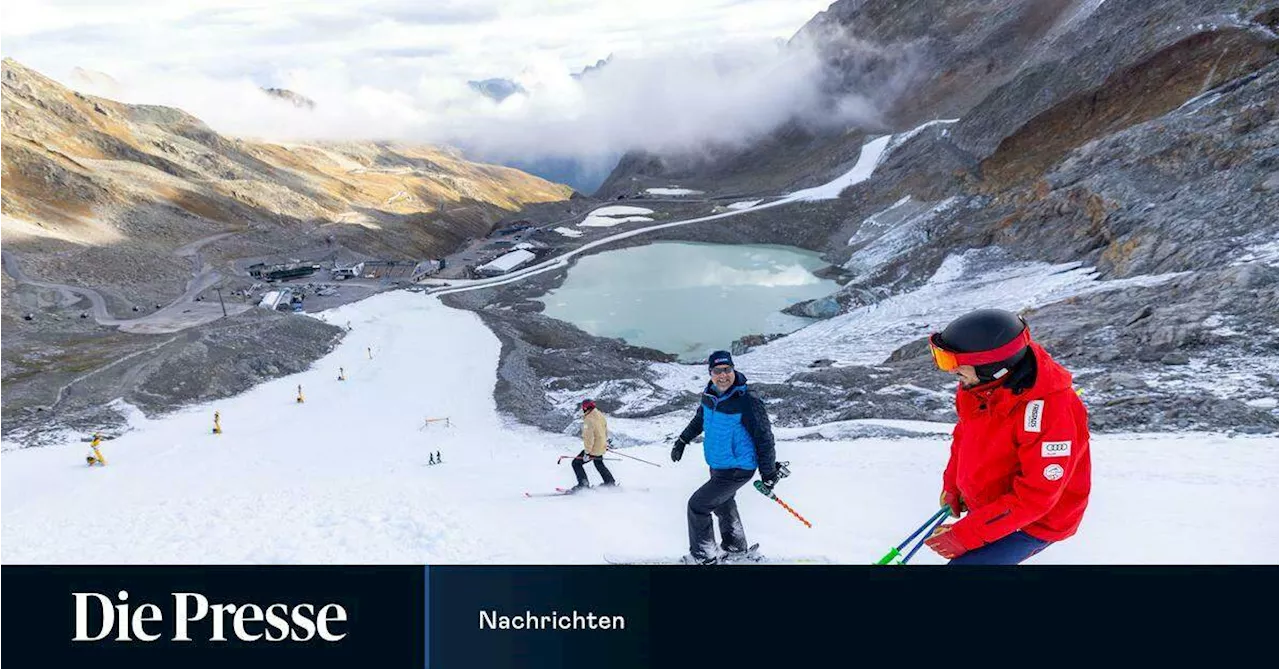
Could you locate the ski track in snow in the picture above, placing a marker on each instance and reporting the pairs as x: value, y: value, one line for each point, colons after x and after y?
x: 340, y: 478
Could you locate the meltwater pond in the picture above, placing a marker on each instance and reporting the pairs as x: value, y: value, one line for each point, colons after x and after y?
x: 687, y: 298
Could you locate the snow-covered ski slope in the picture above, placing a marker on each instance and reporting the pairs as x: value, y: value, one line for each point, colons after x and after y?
x: 341, y: 477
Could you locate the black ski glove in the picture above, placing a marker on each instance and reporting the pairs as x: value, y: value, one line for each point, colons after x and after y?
x: 772, y: 479
x: 677, y: 451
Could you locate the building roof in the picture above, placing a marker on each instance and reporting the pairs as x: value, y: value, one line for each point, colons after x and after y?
x: 507, y: 262
x: 273, y: 298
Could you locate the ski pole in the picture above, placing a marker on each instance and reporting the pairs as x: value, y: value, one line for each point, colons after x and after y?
x: 924, y: 538
x: 769, y: 493
x: 894, y: 553
x: 635, y: 458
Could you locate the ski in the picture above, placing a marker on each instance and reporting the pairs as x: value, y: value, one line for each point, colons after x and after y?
x: 751, y: 556
x: 668, y: 560
x: 560, y: 492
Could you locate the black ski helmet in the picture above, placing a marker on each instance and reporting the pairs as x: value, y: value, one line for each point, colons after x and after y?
x: 986, y: 330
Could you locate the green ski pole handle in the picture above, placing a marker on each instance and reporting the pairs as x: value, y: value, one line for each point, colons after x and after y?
x: 896, y: 553
x: 890, y: 557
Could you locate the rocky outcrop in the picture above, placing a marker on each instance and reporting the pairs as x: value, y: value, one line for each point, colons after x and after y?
x: 292, y: 97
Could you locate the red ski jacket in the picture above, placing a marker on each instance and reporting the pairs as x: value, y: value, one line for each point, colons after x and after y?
x: 1020, y: 461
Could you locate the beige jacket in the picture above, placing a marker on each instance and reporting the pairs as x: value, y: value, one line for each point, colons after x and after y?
x: 595, y: 433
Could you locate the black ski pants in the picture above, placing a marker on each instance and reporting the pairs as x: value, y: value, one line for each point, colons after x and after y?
x: 716, y: 496
x: 581, y: 473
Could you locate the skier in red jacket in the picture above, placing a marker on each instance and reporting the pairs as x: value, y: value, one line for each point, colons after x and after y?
x: 1020, y: 452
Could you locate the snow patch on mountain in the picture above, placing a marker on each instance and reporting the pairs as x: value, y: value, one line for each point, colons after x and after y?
x: 1221, y: 376
x: 890, y: 233
x: 1268, y: 252
x: 607, y: 217
x: 674, y: 190
x: 902, y: 138
x: 867, y: 161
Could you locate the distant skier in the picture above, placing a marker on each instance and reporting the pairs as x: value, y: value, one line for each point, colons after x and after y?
x: 438, y: 458
x: 738, y: 441
x: 1020, y: 453
x: 595, y: 442
x: 431, y: 458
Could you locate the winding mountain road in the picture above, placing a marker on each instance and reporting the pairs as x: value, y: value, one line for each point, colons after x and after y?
x: 184, y: 312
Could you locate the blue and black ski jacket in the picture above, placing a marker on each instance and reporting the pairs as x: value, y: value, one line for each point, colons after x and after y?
x: 738, y: 434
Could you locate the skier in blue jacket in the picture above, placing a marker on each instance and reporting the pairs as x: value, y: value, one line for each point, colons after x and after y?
x: 739, y: 440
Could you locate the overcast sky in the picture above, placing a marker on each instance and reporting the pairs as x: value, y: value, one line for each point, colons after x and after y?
x: 683, y: 70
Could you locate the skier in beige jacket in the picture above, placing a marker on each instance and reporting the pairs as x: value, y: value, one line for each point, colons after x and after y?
x: 595, y: 441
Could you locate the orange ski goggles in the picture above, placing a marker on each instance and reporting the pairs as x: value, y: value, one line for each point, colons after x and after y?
x: 948, y: 360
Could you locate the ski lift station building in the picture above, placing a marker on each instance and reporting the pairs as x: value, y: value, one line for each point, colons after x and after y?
x: 275, y: 298
x: 505, y: 263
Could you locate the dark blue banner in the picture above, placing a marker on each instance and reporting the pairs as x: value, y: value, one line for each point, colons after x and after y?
x: 611, y: 617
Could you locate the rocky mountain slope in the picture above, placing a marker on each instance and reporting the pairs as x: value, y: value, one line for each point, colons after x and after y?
x: 1138, y: 139
x: 922, y: 60
x: 147, y: 206
x: 83, y: 172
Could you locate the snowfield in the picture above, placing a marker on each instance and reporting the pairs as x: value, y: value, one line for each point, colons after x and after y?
x: 868, y: 159
x: 673, y: 190
x: 341, y: 478
x: 607, y: 217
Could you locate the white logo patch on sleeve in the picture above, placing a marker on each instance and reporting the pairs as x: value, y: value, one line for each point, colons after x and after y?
x: 1032, y: 418
x: 1053, y: 472
x: 1055, y: 449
